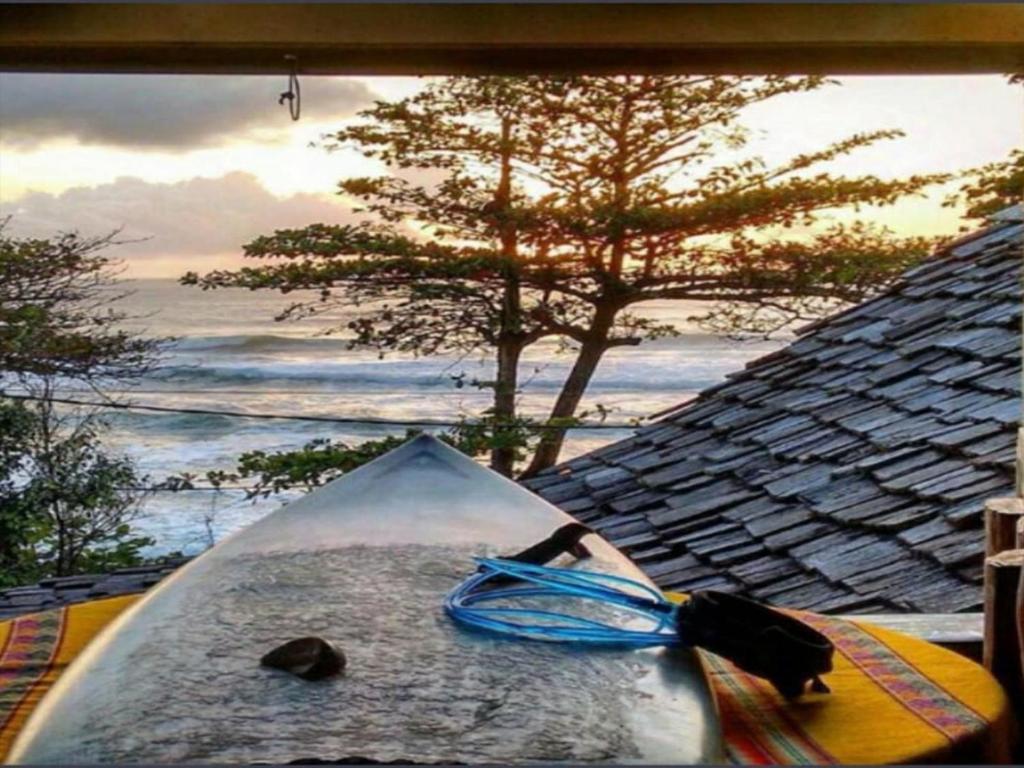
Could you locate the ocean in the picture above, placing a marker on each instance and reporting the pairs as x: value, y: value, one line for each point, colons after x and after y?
x: 229, y: 353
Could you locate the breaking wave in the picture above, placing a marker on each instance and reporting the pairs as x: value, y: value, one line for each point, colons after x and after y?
x: 357, y: 377
x: 255, y: 344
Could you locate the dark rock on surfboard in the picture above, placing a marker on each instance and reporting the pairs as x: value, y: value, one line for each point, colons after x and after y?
x: 311, y: 658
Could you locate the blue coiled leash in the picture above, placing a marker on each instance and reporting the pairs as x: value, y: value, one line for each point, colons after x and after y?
x: 467, y: 604
x: 759, y: 640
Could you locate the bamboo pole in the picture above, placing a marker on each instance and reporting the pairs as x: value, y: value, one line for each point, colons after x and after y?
x: 1002, y: 654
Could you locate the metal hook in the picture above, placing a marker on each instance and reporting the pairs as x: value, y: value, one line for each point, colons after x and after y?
x: 294, y: 94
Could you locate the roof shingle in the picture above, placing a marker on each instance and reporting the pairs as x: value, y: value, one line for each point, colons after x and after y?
x: 846, y: 472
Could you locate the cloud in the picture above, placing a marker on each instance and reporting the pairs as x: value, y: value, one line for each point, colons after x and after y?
x: 195, y: 218
x: 175, y: 112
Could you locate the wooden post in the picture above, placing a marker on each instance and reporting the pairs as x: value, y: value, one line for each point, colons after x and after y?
x: 1003, y: 622
x: 1020, y: 436
x: 1020, y: 641
x: 1001, y: 518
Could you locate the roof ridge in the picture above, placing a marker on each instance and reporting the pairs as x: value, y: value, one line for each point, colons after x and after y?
x: 996, y: 223
x: 1014, y: 213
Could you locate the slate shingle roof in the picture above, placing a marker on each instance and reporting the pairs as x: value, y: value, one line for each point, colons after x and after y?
x: 67, y: 590
x: 846, y: 472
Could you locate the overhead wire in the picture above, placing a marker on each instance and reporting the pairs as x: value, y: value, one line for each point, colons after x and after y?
x: 370, y: 420
x: 244, y: 392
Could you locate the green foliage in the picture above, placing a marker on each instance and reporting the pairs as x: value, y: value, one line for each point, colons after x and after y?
x: 16, y: 524
x: 852, y: 261
x: 65, y: 504
x: 991, y: 188
x: 316, y: 463
x: 321, y: 460
x: 557, y: 205
x: 55, y: 311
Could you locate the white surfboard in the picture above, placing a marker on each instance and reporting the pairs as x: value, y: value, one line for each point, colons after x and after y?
x: 365, y: 562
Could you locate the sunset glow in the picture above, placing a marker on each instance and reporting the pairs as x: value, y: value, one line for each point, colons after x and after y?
x: 200, y: 189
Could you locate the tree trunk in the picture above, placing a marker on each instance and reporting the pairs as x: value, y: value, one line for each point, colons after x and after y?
x: 568, y: 401
x: 596, y: 343
x: 510, y: 343
x: 506, y: 385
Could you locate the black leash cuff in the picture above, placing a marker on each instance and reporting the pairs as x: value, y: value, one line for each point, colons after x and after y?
x: 759, y: 640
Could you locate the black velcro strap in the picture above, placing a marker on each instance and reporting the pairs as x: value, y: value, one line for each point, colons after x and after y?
x: 564, y: 539
x: 759, y: 640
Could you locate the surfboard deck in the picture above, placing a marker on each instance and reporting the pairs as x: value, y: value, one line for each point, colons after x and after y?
x: 365, y: 562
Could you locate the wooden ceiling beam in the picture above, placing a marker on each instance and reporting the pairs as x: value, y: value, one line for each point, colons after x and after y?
x: 410, y: 38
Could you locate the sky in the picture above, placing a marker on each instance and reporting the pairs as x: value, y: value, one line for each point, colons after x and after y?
x: 190, y: 168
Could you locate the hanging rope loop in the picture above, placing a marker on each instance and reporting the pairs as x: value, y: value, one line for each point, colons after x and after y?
x: 294, y: 93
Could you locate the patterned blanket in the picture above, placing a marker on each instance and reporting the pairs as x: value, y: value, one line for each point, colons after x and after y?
x: 894, y: 699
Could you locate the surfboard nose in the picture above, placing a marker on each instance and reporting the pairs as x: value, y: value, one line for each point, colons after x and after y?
x: 424, y: 491
x: 365, y: 562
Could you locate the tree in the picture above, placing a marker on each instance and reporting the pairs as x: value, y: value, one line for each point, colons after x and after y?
x: 56, y: 315
x: 991, y: 188
x: 553, y: 207
x: 459, y: 291
x: 317, y: 462
x: 66, y: 505
x: 15, y: 525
